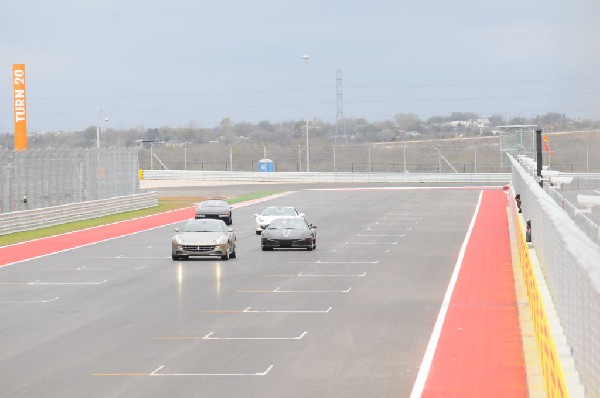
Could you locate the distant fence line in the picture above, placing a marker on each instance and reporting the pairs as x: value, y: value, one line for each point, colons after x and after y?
x: 44, y: 178
x: 460, y: 158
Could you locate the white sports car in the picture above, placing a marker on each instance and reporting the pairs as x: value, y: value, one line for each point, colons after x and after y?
x: 274, y: 212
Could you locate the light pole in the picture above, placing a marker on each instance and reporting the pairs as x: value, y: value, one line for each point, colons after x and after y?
x: 306, y: 58
x: 98, y: 127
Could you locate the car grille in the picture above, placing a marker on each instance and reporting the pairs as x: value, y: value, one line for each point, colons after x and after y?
x: 287, y: 242
x: 198, y: 249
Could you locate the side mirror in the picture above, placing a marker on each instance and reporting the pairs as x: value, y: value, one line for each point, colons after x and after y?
x: 176, y: 229
x: 302, y: 215
x: 314, y: 226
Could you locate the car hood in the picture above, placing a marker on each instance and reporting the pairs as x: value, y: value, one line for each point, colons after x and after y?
x: 286, y: 233
x: 198, y: 238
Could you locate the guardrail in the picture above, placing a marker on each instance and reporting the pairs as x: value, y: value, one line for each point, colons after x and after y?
x: 569, y: 262
x: 27, y: 220
x: 487, y: 178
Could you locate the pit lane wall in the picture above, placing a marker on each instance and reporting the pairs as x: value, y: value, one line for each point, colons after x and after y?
x: 561, y: 268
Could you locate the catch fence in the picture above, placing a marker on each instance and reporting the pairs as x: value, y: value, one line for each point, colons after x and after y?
x: 44, y: 178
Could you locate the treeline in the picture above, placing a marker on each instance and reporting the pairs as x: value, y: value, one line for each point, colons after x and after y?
x: 402, y: 128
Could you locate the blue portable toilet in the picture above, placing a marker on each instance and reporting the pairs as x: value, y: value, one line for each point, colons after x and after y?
x: 265, y: 165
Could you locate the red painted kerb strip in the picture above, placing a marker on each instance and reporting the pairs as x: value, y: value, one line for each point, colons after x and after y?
x: 40, y: 247
x: 479, y: 353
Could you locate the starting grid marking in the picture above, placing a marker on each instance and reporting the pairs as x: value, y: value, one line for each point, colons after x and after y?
x: 250, y: 311
x: 67, y: 283
x: 278, y: 290
x: 333, y: 262
x: 210, y: 336
x: 30, y: 302
x: 302, y: 274
x: 38, y: 283
x: 361, y: 243
x: 157, y: 374
x: 379, y: 236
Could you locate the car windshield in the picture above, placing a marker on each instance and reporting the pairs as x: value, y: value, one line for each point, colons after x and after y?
x: 204, y: 226
x: 279, y: 211
x: 288, y: 224
x: 213, y: 203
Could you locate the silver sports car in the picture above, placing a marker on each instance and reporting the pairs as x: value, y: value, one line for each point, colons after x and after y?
x: 203, y: 238
x: 292, y: 233
x: 272, y: 213
x: 215, y: 208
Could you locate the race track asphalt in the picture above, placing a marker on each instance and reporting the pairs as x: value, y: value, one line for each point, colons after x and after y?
x: 352, y: 319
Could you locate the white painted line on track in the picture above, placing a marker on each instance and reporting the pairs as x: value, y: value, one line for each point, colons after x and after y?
x: 419, y: 385
x: 248, y: 310
x: 122, y: 257
x: 395, y: 218
x: 333, y: 262
x: 211, y: 337
x: 302, y: 274
x: 360, y: 243
x: 67, y: 283
x: 30, y: 302
x: 361, y: 235
x: 278, y: 290
x: 212, y: 374
x: 401, y: 235
x: 156, y: 373
x: 86, y: 268
x: 388, y: 229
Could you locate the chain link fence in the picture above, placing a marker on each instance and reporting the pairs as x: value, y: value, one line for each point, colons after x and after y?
x: 44, y: 178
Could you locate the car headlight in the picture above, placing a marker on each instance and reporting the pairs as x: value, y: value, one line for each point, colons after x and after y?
x: 178, y: 239
x: 222, y: 239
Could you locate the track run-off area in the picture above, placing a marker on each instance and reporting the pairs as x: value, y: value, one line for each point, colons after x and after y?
x: 409, y: 293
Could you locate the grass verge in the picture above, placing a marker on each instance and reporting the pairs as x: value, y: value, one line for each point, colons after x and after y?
x: 164, y: 204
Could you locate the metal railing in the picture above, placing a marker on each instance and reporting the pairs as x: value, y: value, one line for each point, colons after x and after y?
x: 27, y: 220
x: 570, y: 263
x: 485, y: 178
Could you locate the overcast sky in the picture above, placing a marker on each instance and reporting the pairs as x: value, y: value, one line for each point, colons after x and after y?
x: 173, y: 63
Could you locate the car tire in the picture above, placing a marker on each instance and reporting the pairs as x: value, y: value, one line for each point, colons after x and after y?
x: 225, y: 256
x: 233, y: 253
x: 267, y: 249
x: 175, y: 258
x: 229, y: 221
x: 309, y: 248
x: 258, y: 232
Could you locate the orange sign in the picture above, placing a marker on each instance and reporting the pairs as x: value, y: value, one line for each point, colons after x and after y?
x: 18, y: 76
